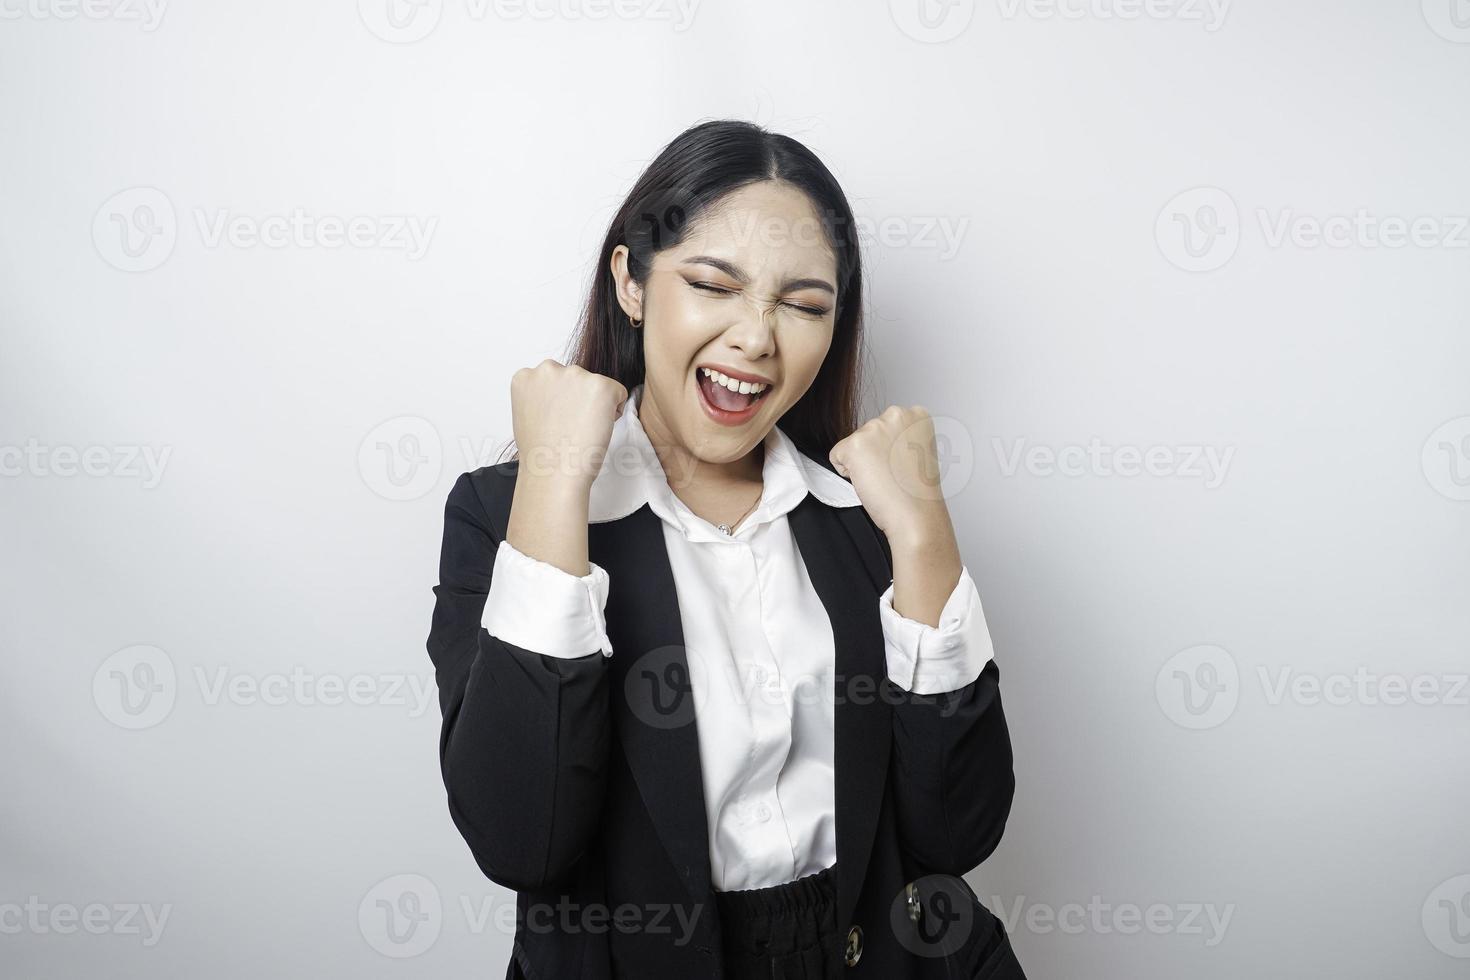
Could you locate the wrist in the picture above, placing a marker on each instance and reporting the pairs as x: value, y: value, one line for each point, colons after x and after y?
x: 923, y: 536
x: 559, y: 464
x: 563, y: 488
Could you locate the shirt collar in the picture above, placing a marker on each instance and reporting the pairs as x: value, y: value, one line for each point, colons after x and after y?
x: 632, y: 476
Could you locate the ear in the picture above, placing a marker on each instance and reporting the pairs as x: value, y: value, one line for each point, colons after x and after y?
x: 630, y: 293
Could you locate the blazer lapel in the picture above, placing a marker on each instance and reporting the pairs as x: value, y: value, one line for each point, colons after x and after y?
x: 844, y: 564
x: 653, y: 700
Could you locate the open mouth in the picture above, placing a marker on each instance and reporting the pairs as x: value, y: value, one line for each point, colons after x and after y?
x: 725, y: 402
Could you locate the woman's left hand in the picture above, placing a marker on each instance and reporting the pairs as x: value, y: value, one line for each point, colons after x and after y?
x: 894, y: 467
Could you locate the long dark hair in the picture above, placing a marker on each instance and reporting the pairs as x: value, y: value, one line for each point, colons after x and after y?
x: 690, y: 175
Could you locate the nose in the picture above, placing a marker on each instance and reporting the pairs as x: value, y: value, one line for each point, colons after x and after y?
x: 753, y: 333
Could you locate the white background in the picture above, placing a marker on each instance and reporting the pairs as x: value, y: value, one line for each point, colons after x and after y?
x: 308, y: 405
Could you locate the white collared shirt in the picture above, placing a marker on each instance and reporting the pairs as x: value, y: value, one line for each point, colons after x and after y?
x: 759, y: 645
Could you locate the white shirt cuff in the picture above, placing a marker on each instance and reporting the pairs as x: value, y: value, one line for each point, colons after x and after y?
x: 924, y: 659
x: 540, y: 608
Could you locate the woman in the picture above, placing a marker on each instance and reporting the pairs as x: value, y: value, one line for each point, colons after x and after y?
x: 726, y: 706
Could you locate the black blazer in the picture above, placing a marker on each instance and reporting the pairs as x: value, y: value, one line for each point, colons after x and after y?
x: 576, y: 782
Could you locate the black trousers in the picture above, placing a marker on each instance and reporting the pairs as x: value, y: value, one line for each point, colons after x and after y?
x: 784, y: 932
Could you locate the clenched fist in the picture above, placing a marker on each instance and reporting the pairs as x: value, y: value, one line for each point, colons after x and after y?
x: 894, y: 467
x: 563, y: 419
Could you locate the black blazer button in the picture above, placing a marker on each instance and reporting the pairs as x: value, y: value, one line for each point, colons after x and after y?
x: 854, y: 945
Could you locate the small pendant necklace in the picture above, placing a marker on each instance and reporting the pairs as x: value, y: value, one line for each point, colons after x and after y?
x: 726, y: 528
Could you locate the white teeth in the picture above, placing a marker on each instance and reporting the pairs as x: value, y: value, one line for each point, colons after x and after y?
x: 744, y: 387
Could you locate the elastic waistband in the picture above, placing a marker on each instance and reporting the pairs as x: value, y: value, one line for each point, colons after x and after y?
x: 810, y: 892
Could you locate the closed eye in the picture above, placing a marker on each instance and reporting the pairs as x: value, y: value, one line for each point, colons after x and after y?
x: 802, y: 308
x: 808, y: 310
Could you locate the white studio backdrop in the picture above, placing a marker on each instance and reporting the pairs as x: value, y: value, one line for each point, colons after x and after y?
x: 1186, y: 283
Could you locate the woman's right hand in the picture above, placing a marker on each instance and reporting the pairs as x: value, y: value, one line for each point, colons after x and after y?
x: 563, y: 419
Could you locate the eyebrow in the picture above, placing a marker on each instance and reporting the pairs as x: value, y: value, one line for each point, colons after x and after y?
x: 734, y: 273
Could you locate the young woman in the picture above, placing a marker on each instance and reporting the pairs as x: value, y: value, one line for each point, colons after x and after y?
x: 719, y: 698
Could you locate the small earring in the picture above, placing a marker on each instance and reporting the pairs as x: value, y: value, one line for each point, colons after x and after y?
x: 636, y: 323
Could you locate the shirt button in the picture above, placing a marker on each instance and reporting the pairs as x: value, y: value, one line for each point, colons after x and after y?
x: 854, y: 951
x: 763, y: 813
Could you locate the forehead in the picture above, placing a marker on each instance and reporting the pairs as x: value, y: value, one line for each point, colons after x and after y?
x: 768, y: 226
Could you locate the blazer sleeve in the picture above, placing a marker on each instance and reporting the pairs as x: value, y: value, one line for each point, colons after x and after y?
x: 524, y: 742
x: 951, y: 768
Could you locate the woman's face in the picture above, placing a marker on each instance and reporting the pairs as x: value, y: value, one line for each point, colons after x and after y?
x: 750, y: 292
